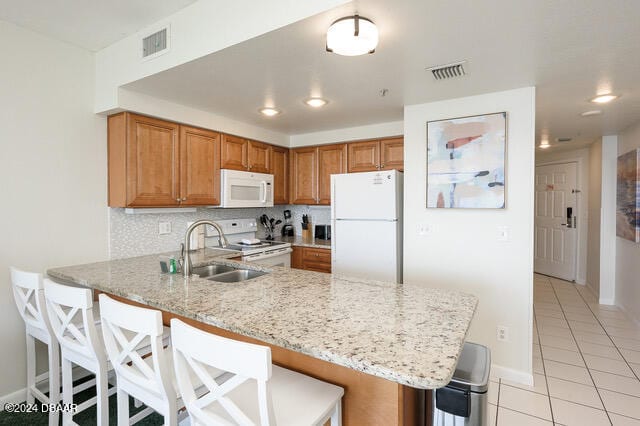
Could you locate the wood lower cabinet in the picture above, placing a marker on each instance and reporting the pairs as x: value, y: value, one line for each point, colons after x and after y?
x: 311, y: 259
x: 157, y: 163
x: 304, y: 176
x: 199, y: 167
x: 332, y: 159
x: 384, y: 154
x: 311, y: 170
x: 280, y: 170
x: 234, y: 153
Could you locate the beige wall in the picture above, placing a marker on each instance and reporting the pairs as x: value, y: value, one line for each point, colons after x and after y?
x: 627, y: 252
x: 462, y: 250
x: 54, y: 172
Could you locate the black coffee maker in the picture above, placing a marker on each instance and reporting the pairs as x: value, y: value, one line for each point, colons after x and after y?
x: 287, y: 228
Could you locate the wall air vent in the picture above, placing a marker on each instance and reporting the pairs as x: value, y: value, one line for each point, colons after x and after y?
x: 156, y: 43
x: 443, y: 72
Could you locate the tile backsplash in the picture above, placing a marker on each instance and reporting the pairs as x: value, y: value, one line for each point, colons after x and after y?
x: 137, y: 234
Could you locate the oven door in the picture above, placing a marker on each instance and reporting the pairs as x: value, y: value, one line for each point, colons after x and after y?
x: 245, y: 189
x: 279, y: 257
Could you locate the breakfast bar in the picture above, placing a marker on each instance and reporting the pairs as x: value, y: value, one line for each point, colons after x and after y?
x: 384, y: 343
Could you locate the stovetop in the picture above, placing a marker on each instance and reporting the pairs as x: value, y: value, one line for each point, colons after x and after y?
x: 250, y: 247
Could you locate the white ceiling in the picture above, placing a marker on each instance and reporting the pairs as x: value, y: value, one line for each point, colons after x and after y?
x: 90, y: 24
x: 569, y: 49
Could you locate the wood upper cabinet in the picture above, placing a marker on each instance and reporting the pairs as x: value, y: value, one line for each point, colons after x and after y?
x: 234, y: 153
x: 304, y: 176
x: 246, y: 155
x: 385, y: 154
x: 143, y: 161
x: 259, y: 157
x: 280, y: 170
x: 311, y: 172
x: 392, y: 154
x: 332, y: 159
x: 157, y: 163
x: 199, y: 167
x: 364, y: 156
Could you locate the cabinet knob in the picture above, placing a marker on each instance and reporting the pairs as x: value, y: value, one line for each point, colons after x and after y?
x: 382, y: 165
x: 178, y: 199
x: 184, y: 199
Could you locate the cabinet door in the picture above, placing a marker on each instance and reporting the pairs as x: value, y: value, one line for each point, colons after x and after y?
x: 259, y: 157
x: 152, y: 162
x: 296, y: 257
x: 332, y: 159
x: 315, y: 259
x: 364, y: 156
x: 304, y: 176
x: 392, y: 154
x: 233, y: 153
x: 199, y: 167
x: 280, y: 170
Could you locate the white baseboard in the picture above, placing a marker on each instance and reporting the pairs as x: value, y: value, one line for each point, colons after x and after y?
x: 13, y: 398
x: 606, y: 301
x: 511, y: 374
x: 21, y: 394
x: 581, y: 281
x: 628, y: 314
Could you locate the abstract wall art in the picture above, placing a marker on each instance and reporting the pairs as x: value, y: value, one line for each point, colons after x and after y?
x: 628, y: 196
x: 466, y: 162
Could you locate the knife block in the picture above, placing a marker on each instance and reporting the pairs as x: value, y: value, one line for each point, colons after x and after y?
x: 307, y: 234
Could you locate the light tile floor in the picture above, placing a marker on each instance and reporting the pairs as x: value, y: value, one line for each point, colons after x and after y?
x: 586, y: 364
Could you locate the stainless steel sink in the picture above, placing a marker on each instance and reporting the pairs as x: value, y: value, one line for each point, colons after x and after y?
x: 236, y: 275
x: 210, y: 270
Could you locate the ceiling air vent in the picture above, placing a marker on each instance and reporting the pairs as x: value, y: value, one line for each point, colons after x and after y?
x: 563, y: 139
x: 154, y: 43
x: 443, y: 72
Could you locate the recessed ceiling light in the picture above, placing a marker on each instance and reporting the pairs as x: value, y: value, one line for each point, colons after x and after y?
x: 590, y: 113
x: 269, y: 112
x: 603, y: 99
x: 316, y: 102
x: 352, y: 36
x: 544, y: 144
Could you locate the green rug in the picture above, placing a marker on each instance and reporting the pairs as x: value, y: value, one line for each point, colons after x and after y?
x: 86, y: 417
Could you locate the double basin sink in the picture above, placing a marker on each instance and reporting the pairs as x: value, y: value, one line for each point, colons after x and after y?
x: 225, y: 273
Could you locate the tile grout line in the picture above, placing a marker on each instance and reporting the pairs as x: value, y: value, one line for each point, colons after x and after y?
x: 580, y: 352
x: 544, y: 369
x: 612, y: 341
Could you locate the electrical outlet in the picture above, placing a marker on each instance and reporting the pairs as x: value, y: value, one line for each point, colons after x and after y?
x: 424, y: 229
x: 503, y: 333
x: 164, y: 228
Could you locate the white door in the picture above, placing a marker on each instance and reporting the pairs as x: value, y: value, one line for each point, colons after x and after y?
x: 555, y: 220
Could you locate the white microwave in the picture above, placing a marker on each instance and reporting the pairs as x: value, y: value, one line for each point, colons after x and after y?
x: 246, y: 189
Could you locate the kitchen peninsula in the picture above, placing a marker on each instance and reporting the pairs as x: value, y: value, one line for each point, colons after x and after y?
x: 384, y: 343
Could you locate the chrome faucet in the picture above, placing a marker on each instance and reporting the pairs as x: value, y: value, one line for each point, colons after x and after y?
x: 222, y: 241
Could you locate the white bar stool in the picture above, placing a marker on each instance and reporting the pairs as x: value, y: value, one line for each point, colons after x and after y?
x: 150, y: 380
x: 259, y: 393
x: 28, y: 292
x: 80, y: 344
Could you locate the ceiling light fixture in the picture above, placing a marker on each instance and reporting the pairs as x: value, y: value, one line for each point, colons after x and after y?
x: 269, y: 112
x: 544, y: 144
x: 590, y: 113
x: 352, y: 36
x: 316, y: 102
x: 603, y: 99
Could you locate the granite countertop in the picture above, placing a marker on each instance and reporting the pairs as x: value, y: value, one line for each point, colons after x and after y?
x: 300, y: 242
x: 409, y: 334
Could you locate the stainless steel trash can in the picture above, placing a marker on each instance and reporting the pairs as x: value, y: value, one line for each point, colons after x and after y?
x: 463, y: 402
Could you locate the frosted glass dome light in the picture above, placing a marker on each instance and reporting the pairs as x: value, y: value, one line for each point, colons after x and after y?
x: 352, y: 36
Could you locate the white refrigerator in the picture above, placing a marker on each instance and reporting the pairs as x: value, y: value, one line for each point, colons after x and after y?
x: 366, y: 225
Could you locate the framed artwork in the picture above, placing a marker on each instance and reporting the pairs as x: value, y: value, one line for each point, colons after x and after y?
x: 628, y: 196
x: 466, y: 162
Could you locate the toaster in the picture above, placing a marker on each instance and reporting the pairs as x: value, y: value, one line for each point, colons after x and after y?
x: 323, y: 232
